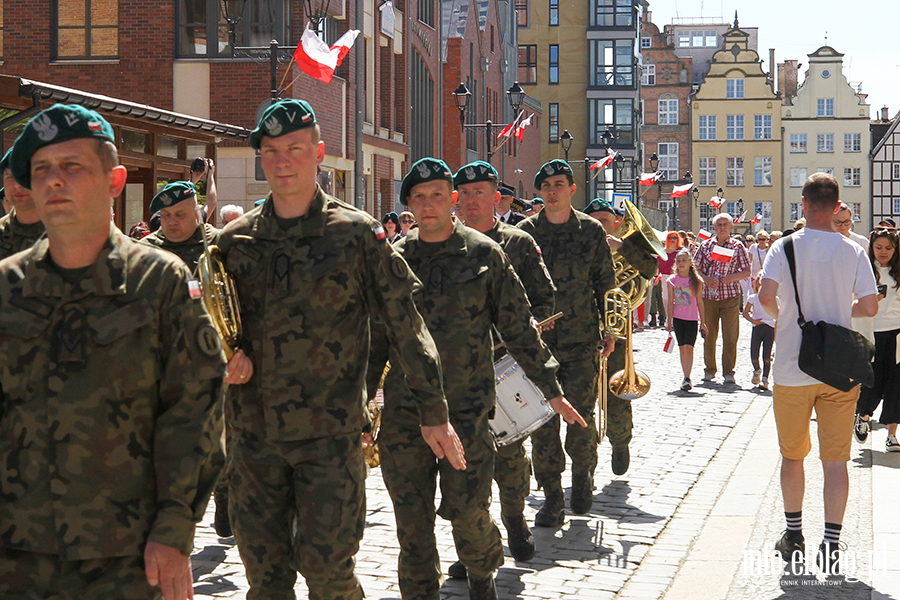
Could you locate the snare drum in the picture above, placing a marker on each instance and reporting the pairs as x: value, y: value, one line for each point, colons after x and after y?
x: 521, y: 407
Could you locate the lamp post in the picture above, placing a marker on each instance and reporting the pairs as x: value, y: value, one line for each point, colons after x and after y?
x: 607, y: 136
x: 516, y: 96
x: 566, y: 141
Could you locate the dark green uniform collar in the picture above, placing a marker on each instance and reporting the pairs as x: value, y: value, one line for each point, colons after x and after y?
x: 455, y: 244
x: 312, y: 224
x: 573, y: 224
x: 106, y: 277
x: 21, y: 229
x: 194, y: 239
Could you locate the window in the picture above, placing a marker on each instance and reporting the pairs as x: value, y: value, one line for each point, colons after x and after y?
x: 554, y: 122
x: 762, y: 127
x: 798, y: 177
x: 825, y: 142
x: 646, y: 42
x: 796, y: 211
x: 764, y: 209
x: 684, y: 39
x: 857, y: 211
x: 852, y: 177
x: 697, y: 39
x: 668, y: 160
x: 798, y: 142
x: 734, y: 88
x: 522, y: 13
x: 648, y: 75
x: 896, y: 210
x: 707, y: 170
x: 734, y: 127
x: 612, y: 63
x: 86, y: 29
x: 668, y: 112
x: 528, y: 64
x: 554, y: 63
x: 896, y: 172
x: 425, y: 12
x: 734, y: 171
x: 852, y: 142
x: 203, y: 28
x: 825, y: 107
x: 612, y: 13
x: 707, y: 127
x: 554, y: 13
x: 826, y: 170
x: 615, y: 114
x: 762, y: 170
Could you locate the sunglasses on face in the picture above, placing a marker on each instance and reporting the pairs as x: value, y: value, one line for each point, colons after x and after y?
x: 407, y: 222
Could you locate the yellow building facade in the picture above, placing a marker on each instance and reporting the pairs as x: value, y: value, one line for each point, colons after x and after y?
x: 736, y: 138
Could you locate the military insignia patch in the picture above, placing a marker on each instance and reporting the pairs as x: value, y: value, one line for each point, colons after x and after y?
x: 379, y: 233
x: 423, y: 170
x: 44, y: 127
x: 208, y: 340
x: 194, y: 290
x: 399, y: 269
x: 548, y: 169
x: 273, y: 126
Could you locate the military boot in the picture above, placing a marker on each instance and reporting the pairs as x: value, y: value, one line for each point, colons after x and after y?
x: 482, y: 589
x: 222, y: 523
x: 582, y: 498
x: 553, y: 510
x: 519, y: 537
x: 457, y: 570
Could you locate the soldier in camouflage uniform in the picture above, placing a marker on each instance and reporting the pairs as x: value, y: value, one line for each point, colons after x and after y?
x: 21, y: 227
x: 576, y: 254
x: 180, y: 231
x: 478, y: 200
x: 638, y: 254
x: 310, y: 272
x: 110, y: 414
x: 468, y: 288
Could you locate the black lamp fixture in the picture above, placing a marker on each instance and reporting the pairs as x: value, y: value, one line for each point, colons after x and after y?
x: 516, y: 96
x: 695, y: 194
x: 740, y: 206
x: 234, y: 13
x: 607, y: 136
x: 565, y: 141
x: 654, y: 162
x: 687, y: 176
x: 462, y: 96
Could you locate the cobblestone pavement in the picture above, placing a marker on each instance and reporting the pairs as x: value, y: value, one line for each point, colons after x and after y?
x: 643, y: 522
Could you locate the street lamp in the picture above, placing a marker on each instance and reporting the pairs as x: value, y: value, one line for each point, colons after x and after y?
x: 695, y: 194
x: 654, y: 162
x: 461, y: 96
x: 566, y: 141
x: 516, y: 96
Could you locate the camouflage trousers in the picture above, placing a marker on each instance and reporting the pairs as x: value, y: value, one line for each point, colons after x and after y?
x: 35, y: 576
x: 512, y: 472
x: 298, y: 506
x: 410, y: 472
x: 619, y: 421
x: 578, y: 378
x: 221, y: 491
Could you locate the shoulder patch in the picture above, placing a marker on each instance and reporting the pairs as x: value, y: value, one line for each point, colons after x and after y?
x: 399, y: 268
x: 208, y: 341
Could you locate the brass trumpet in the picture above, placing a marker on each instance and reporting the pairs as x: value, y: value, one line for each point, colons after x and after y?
x: 220, y: 297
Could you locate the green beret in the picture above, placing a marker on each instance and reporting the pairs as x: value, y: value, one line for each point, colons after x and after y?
x: 475, y: 172
x: 506, y: 190
x: 4, y: 162
x: 600, y: 205
x: 285, y: 116
x: 172, y: 194
x: 59, y: 123
x: 537, y: 201
x: 554, y: 167
x: 426, y: 169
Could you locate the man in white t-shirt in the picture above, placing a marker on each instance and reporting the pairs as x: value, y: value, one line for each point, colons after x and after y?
x: 830, y: 271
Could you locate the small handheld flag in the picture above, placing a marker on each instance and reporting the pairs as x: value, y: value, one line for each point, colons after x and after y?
x: 722, y: 254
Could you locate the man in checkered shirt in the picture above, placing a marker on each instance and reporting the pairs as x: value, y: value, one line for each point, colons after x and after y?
x: 722, y: 263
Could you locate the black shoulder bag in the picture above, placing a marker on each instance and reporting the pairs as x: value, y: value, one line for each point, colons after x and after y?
x: 835, y: 355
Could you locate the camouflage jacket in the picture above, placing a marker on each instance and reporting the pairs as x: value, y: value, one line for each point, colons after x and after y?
x: 306, y: 296
x: 468, y: 286
x: 580, y: 263
x: 190, y: 250
x: 638, y: 254
x: 525, y: 256
x: 15, y: 237
x: 110, y: 413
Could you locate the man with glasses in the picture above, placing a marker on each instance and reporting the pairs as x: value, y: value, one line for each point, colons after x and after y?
x: 842, y: 222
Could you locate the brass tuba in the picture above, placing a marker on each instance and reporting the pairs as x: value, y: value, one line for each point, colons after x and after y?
x: 629, y: 293
x: 220, y: 296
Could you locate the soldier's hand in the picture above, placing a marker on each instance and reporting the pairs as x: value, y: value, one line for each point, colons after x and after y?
x: 169, y: 569
x: 614, y: 242
x: 562, y: 407
x: 239, y: 369
x: 609, y: 344
x: 445, y: 444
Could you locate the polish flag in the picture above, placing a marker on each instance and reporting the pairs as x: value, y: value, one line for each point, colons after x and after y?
x: 741, y: 218
x: 722, y: 254
x: 509, y: 129
x: 669, y: 346
x: 316, y: 59
x: 756, y: 219
x: 716, y: 201
x: 605, y: 161
x: 650, y: 178
x: 680, y: 190
x: 520, y: 130
x: 704, y: 234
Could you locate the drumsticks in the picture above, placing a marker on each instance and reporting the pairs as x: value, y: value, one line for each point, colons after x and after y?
x: 540, y: 325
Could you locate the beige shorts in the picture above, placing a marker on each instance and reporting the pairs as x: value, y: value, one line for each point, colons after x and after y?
x: 835, y: 411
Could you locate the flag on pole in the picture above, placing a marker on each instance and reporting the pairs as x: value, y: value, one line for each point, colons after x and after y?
x: 756, y: 219
x: 722, y: 254
x: 650, y: 178
x: 605, y: 161
x: 741, y: 218
x: 716, y: 201
x: 704, y: 235
x: 509, y: 129
x: 681, y: 190
x: 317, y: 59
x: 520, y: 130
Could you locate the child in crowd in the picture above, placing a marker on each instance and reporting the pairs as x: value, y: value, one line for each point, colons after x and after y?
x: 685, y: 310
x: 763, y: 335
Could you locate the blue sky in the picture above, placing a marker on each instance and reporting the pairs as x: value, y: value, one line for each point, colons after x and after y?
x: 796, y: 28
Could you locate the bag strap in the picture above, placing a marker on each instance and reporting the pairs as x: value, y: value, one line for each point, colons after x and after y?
x: 789, y: 254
